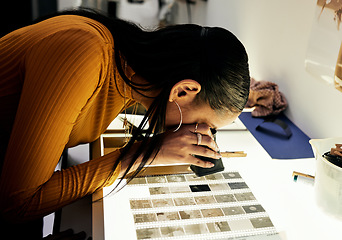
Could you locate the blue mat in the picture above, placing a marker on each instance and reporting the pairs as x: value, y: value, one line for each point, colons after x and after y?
x: 290, y: 143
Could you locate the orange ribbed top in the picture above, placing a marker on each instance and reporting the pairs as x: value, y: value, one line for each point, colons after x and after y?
x: 57, y: 89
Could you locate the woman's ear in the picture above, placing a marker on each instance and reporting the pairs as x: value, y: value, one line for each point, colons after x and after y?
x: 184, y: 91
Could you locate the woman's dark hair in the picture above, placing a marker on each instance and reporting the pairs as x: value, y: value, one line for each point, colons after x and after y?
x: 212, y: 56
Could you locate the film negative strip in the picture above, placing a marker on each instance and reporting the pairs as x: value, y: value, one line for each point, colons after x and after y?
x: 182, y: 178
x: 215, y: 206
x: 209, y: 229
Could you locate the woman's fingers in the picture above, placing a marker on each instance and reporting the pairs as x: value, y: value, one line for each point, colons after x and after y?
x: 204, y: 151
x: 202, y: 128
x: 204, y: 140
x: 203, y: 136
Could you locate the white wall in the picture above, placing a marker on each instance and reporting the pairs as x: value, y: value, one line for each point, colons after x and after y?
x: 66, y: 4
x: 147, y: 14
x: 276, y: 34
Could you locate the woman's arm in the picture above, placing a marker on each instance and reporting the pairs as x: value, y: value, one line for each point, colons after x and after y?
x: 62, y: 72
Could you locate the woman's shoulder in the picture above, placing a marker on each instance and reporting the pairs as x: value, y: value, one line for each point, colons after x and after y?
x: 83, y: 25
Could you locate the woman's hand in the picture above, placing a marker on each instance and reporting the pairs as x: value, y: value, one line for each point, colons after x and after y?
x: 182, y: 145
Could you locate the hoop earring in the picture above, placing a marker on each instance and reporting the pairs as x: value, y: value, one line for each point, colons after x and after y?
x: 181, y: 117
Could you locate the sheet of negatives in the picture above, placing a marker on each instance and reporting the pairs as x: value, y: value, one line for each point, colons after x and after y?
x: 215, y: 206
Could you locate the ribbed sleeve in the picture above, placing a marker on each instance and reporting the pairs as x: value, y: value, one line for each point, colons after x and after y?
x: 63, y: 73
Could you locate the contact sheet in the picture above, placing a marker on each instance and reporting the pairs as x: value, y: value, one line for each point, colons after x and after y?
x: 184, y: 206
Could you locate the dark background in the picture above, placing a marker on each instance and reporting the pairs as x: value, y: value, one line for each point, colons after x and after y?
x: 19, y: 13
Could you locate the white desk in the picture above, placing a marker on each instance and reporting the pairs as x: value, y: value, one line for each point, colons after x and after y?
x: 290, y: 205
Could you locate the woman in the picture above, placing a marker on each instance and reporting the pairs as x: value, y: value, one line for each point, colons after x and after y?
x: 64, y: 79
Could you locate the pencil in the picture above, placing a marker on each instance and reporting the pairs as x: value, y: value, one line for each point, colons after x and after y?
x: 234, y: 154
x: 296, y: 174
